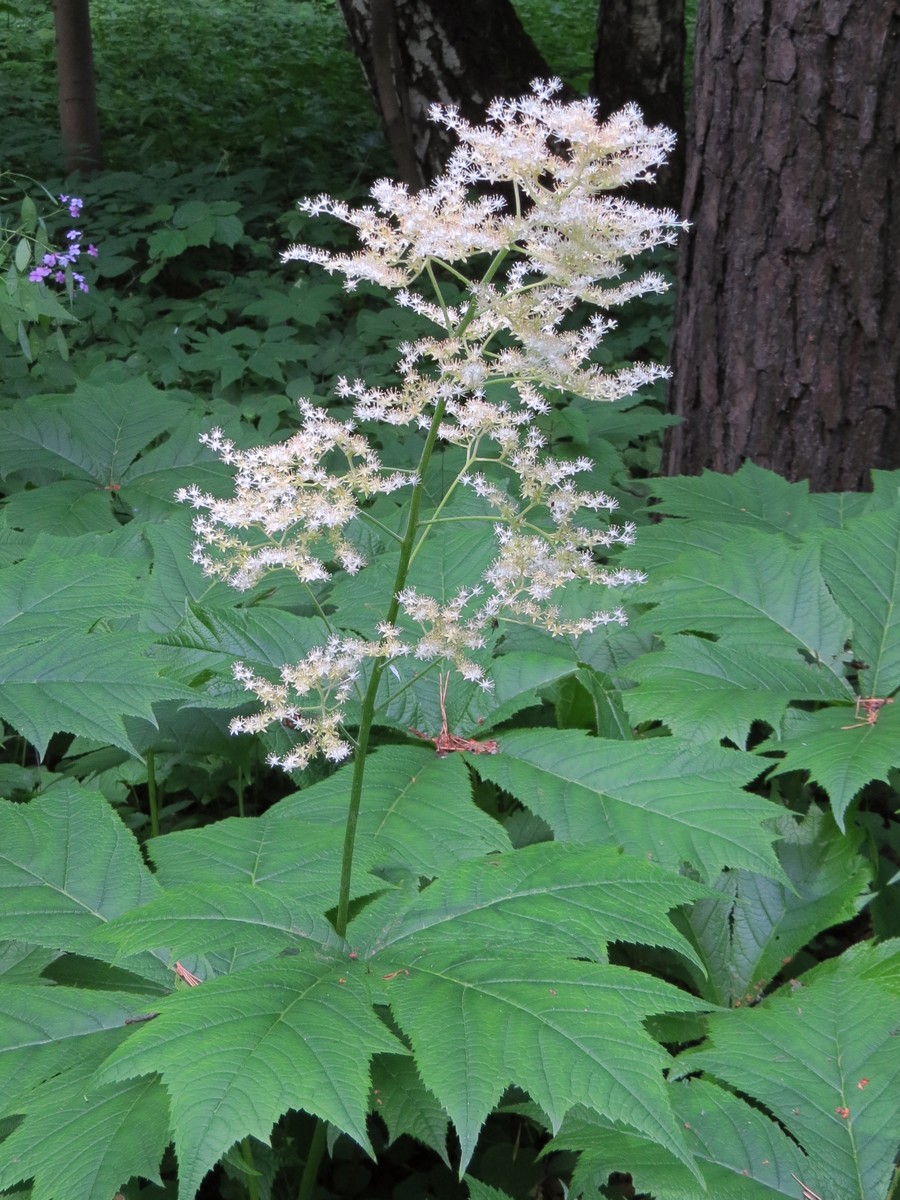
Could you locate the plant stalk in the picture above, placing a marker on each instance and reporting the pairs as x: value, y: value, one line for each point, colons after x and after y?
x: 313, y: 1159
x: 367, y: 712
x: 152, y: 794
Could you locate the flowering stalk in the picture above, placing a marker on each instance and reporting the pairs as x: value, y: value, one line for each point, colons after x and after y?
x: 483, y: 384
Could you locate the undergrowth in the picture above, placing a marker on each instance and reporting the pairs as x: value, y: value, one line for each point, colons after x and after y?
x: 645, y: 948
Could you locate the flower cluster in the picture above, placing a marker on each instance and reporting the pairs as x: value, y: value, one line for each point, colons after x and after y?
x: 287, y: 496
x: 325, y: 680
x: 55, y: 264
x: 483, y: 382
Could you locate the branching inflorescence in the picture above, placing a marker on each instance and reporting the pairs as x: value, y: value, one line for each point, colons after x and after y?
x: 481, y: 383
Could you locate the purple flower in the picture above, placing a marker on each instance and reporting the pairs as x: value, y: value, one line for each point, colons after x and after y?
x: 39, y: 274
x: 73, y: 235
x: 92, y: 251
x: 49, y: 260
x: 74, y: 203
x: 59, y: 277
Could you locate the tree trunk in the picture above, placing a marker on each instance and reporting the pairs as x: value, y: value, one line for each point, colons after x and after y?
x: 418, y: 52
x: 79, y: 124
x: 787, y: 342
x: 640, y: 57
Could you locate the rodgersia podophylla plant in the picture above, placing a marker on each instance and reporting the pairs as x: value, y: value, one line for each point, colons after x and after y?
x: 532, y: 275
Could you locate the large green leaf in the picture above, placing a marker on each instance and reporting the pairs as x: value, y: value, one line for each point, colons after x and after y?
x: 42, y: 596
x: 713, y: 690
x: 573, y: 900
x: 405, y: 1104
x: 861, y: 565
x: 752, y: 497
x: 69, y: 507
x: 741, y: 1154
x: 759, y: 592
x: 210, y: 640
x: 842, y: 753
x: 82, y: 683
x: 95, y: 432
x: 568, y: 1032
x: 417, y: 812
x: 821, y: 1056
x: 291, y: 1034
x: 764, y: 922
x: 263, y: 851
x: 664, y: 798
x: 204, y: 918
x: 52, y: 892
x: 79, y: 1140
x: 45, y: 1030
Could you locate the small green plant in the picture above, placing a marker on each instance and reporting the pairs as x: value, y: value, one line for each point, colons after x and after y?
x: 32, y: 267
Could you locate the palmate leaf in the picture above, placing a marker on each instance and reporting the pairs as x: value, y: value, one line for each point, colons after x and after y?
x: 204, y: 918
x: 43, y: 596
x: 46, y: 1030
x: 95, y: 432
x: 752, y: 497
x: 405, y: 1104
x: 485, y: 956
x: 764, y: 922
x: 758, y: 592
x: 51, y: 891
x: 82, y: 683
x: 741, y: 1154
x: 841, y: 760
x: 79, y: 1140
x: 861, y: 565
x: 821, y: 1057
x: 572, y: 900
x: 665, y: 798
x: 290, y: 1034
x: 568, y: 1032
x: 713, y: 690
x: 418, y: 811
x: 263, y: 851
x: 480, y: 971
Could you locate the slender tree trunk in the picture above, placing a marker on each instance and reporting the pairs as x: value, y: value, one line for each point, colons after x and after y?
x: 787, y: 342
x: 418, y: 52
x: 640, y: 57
x: 79, y: 124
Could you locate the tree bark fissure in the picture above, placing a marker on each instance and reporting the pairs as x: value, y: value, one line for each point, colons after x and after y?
x: 442, y: 53
x: 787, y: 345
x: 639, y: 58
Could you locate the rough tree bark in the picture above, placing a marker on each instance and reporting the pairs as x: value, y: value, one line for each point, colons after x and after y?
x: 418, y: 52
x: 639, y: 57
x: 787, y: 342
x: 78, y: 120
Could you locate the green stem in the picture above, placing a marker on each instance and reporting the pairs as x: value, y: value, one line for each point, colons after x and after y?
x: 247, y: 1156
x: 367, y: 711
x: 313, y: 1160
x: 152, y: 794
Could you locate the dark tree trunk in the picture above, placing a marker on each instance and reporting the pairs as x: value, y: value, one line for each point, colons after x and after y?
x: 78, y: 121
x: 640, y: 58
x: 418, y: 52
x: 787, y: 342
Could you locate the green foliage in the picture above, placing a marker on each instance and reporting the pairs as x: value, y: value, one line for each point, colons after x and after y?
x: 654, y: 927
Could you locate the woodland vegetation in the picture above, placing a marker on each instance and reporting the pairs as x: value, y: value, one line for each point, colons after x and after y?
x: 412, y: 785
